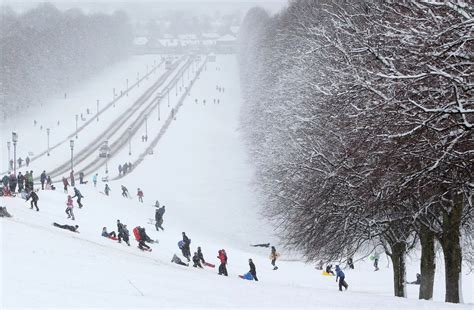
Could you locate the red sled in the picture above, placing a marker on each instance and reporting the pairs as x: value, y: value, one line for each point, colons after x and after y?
x: 209, y: 265
x: 113, y: 238
x: 136, y: 233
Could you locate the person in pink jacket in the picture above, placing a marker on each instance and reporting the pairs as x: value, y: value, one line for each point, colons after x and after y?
x: 70, y: 205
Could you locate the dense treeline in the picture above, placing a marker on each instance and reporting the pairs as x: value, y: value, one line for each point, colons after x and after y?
x: 359, y: 118
x: 45, y: 50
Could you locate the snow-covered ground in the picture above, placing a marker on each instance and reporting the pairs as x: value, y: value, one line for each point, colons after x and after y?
x: 200, y: 171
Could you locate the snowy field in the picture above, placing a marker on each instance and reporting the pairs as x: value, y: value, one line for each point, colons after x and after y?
x: 200, y: 171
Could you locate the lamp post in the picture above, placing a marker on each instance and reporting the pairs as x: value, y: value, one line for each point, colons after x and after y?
x: 159, y: 101
x: 130, y: 140
x: 15, y: 140
x: 8, y: 147
x: 97, y: 109
x: 47, y: 132
x: 77, y: 119
x: 71, y: 144
x: 146, y: 127
x: 126, y: 90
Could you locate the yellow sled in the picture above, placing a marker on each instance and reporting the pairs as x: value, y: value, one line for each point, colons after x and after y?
x: 327, y: 274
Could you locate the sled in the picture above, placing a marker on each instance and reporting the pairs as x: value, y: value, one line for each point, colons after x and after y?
x: 113, y: 238
x: 327, y: 274
x: 144, y: 249
x: 247, y: 276
x: 209, y: 265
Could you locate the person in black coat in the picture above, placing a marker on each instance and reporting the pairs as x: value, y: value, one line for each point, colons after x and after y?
x: 196, y: 260
x: 79, y: 196
x: 186, y: 249
x: 43, y: 179
x: 200, y: 256
x: 34, y: 200
x: 68, y: 227
x: 252, y: 270
x: 159, y: 218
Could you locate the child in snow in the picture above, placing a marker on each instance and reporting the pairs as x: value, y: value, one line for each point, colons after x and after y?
x: 196, y: 260
x: 124, y: 192
x: 376, y: 257
x: 341, y: 276
x: 329, y: 270
x: 107, y: 234
x: 223, y: 259
x: 66, y: 184
x: 79, y: 196
x: 94, y: 180
x: 159, y: 218
x: 70, y: 205
x: 185, y: 249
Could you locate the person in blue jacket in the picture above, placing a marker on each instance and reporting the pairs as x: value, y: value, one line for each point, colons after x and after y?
x: 341, y: 276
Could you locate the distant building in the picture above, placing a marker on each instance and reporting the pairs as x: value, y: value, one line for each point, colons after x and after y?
x: 226, y: 44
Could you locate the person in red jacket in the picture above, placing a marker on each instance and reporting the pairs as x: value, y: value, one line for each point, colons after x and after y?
x: 140, y: 195
x: 223, y: 258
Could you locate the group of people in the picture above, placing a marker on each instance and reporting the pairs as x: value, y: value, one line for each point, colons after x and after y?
x: 123, y: 169
x: 20, y: 162
x: 23, y: 183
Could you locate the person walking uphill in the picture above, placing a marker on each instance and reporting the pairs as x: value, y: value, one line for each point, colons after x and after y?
x: 34, y: 200
x: 341, y: 276
x: 159, y: 218
x: 273, y: 256
x: 70, y: 206
x: 79, y: 196
x: 140, y: 195
x: 253, y: 270
x: 123, y: 233
x: 223, y: 258
x: 43, y: 179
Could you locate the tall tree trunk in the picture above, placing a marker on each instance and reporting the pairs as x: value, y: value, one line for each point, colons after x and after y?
x: 427, y: 264
x: 399, y: 268
x: 451, y: 244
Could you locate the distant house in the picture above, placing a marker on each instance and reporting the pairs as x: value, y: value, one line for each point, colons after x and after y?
x: 226, y: 44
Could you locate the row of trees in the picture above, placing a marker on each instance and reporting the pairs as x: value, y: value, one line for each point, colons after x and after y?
x: 45, y: 50
x: 359, y: 117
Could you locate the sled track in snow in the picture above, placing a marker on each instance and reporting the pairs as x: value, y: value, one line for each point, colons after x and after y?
x: 93, y: 146
x: 165, y: 126
x: 122, y: 141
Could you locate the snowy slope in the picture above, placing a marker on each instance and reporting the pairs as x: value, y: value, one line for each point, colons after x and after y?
x: 200, y: 171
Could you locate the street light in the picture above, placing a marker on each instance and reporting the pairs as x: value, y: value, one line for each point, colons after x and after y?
x: 159, y: 101
x: 126, y: 90
x: 71, y: 144
x: 15, y: 140
x: 77, y: 119
x: 146, y: 127
x: 47, y: 132
x: 97, y: 109
x: 8, y: 147
x: 130, y: 140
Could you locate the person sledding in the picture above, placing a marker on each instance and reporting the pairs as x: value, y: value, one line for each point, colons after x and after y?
x: 328, y: 271
x: 159, y: 218
x: 110, y: 235
x: 262, y: 245
x: 417, y: 281
x: 67, y: 227
x: 79, y: 196
x: 178, y: 261
x: 4, y: 212
x: 252, y: 274
x: 273, y: 256
x: 341, y: 276
x: 69, y: 207
x: 223, y: 259
x: 142, y: 237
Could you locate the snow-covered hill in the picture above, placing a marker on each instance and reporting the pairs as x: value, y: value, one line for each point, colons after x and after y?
x: 200, y: 171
